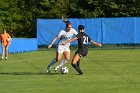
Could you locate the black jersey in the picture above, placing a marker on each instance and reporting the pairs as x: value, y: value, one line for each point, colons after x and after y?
x: 83, y: 40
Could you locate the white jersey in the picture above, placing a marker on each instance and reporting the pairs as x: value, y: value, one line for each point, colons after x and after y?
x: 64, y: 36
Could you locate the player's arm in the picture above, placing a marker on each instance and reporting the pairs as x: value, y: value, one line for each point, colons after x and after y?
x: 95, y: 43
x: 55, y: 38
x: 75, y: 32
x: 71, y: 40
x: 10, y: 38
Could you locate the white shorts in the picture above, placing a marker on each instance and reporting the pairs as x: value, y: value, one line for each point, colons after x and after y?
x: 62, y: 48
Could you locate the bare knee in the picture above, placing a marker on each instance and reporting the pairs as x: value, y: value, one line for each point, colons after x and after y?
x: 57, y: 59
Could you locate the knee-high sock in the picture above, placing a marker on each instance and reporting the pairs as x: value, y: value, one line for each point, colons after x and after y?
x: 78, y: 63
x: 52, y: 63
x: 77, y: 68
x: 62, y: 63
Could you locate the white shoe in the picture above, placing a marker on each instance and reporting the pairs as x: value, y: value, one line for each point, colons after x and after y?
x: 48, y: 70
x: 2, y: 58
x: 55, y: 69
x: 6, y: 58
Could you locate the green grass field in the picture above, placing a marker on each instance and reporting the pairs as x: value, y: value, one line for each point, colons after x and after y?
x: 105, y: 71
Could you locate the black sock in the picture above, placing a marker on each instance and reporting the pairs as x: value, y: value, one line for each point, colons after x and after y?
x: 77, y: 68
x: 78, y: 64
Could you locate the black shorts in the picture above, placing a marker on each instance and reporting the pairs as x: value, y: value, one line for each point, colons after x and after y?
x: 82, y: 52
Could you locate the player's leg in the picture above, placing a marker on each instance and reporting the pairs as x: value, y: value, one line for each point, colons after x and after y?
x: 59, y: 52
x: 6, y: 52
x: 3, y: 52
x: 58, y: 57
x: 78, y: 63
x: 75, y: 59
x: 64, y: 61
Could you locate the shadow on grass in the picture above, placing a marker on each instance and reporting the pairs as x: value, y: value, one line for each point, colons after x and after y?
x: 27, y: 73
x: 114, y: 61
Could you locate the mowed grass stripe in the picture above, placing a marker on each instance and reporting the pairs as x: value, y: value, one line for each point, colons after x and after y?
x: 105, y: 71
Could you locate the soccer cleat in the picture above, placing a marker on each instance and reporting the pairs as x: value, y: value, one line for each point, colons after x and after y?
x: 55, y: 69
x: 2, y: 58
x: 6, y: 58
x: 80, y: 74
x: 48, y: 70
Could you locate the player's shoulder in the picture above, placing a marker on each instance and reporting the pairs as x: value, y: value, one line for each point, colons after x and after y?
x: 85, y: 34
x: 62, y: 31
x: 7, y: 34
x: 79, y: 35
x: 82, y: 34
x: 74, y: 31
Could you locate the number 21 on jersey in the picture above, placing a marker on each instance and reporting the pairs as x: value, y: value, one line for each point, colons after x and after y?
x: 85, y: 40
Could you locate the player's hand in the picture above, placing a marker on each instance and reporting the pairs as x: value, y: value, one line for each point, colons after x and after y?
x: 99, y: 45
x: 9, y: 43
x: 50, y: 46
x: 66, y: 43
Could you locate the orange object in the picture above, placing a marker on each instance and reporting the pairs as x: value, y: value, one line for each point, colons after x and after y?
x: 4, y: 39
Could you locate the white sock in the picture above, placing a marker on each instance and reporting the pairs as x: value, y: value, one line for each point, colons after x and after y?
x: 6, y: 57
x: 52, y: 63
x: 62, y: 63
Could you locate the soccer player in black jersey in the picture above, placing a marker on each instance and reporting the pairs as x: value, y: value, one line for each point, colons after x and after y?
x: 83, y: 40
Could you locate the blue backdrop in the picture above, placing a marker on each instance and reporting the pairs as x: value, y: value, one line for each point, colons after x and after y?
x: 19, y: 45
x: 103, y: 30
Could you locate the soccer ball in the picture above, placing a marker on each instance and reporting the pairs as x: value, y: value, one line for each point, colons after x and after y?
x: 8, y: 39
x: 64, y: 70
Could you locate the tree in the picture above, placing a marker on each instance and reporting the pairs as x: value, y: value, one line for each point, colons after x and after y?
x: 19, y: 16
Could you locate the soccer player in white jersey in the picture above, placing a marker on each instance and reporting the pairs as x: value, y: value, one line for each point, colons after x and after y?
x: 62, y: 48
